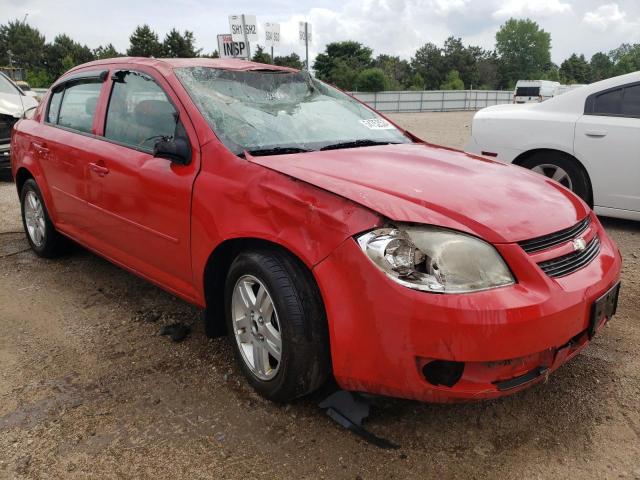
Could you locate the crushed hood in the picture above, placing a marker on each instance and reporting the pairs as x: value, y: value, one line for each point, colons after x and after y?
x: 439, y: 186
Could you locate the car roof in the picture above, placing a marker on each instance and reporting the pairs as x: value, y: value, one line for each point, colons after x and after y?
x: 164, y: 64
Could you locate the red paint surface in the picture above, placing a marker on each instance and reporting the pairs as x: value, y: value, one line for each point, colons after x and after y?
x: 162, y: 221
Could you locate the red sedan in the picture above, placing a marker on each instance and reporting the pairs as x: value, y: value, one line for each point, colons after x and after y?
x: 322, y: 238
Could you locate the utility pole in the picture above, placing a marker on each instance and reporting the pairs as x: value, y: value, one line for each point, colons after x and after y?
x: 246, y: 40
x: 306, y: 44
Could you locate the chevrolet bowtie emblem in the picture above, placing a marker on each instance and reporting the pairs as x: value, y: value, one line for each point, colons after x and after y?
x: 579, y: 244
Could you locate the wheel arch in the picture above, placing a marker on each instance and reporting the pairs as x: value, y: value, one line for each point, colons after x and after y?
x: 215, y: 274
x: 523, y: 157
x: 22, y: 175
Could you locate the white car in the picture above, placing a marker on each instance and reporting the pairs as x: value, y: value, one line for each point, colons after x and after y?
x: 587, y: 139
x: 14, y: 103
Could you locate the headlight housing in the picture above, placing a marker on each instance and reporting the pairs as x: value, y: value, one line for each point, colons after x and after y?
x: 434, y: 259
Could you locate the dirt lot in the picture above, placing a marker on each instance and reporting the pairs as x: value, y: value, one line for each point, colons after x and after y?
x: 89, y: 389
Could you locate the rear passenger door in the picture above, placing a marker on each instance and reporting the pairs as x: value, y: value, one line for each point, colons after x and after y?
x: 607, y: 139
x: 143, y: 203
x: 66, y: 146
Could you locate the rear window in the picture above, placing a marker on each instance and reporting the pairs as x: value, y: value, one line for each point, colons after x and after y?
x: 618, y: 102
x: 608, y: 103
x: 527, y: 91
x: 631, y: 102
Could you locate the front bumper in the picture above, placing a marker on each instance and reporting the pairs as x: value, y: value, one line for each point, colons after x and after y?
x: 382, y: 334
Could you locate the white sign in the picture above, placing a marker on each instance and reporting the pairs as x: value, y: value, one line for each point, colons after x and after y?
x: 302, y: 35
x: 250, y: 28
x: 272, y: 34
x: 227, y: 48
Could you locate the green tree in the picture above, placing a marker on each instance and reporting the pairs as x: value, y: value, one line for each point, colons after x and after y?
x: 260, y: 55
x: 39, y: 78
x: 575, y: 69
x: 462, y: 59
x: 371, y: 80
x: 65, y: 53
x: 178, y: 45
x: 417, y: 82
x: 107, y: 51
x: 524, y: 50
x: 21, y: 45
x: 488, y: 70
x: 144, y: 42
x: 341, y: 63
x: 452, y: 81
x: 429, y: 64
x: 601, y: 67
x: 626, y: 58
x: 397, y: 71
x: 213, y: 54
x: 292, y: 60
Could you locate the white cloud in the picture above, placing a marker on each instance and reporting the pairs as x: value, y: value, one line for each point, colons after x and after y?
x: 534, y: 8
x: 445, y: 7
x: 605, y: 16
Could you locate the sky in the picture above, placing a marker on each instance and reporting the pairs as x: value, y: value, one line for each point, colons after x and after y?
x: 396, y: 27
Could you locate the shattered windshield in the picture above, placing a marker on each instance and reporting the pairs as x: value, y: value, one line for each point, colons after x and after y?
x: 268, y: 112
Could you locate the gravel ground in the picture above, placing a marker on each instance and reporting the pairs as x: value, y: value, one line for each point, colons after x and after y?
x: 88, y: 389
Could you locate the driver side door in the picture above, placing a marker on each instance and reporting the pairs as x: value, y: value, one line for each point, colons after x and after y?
x: 143, y: 203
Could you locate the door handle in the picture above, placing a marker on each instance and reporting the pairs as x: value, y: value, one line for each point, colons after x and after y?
x: 40, y: 147
x: 101, y: 170
x: 595, y: 133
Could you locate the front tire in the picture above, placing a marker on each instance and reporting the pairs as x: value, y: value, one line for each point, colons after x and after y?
x: 277, y: 324
x: 563, y: 169
x: 43, y: 238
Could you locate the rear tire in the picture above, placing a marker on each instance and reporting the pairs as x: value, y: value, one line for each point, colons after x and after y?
x: 564, y: 170
x: 283, y: 348
x: 43, y: 238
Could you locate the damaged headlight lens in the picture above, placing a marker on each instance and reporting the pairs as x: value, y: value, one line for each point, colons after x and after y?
x: 435, y: 259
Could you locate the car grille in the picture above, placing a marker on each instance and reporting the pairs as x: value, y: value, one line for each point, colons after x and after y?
x: 547, y: 241
x: 566, y: 264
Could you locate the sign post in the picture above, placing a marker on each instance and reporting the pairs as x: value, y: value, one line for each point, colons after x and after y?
x: 304, y: 34
x: 244, y: 28
x: 272, y: 36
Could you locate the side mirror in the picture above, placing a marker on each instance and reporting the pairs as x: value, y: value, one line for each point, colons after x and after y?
x: 176, y: 149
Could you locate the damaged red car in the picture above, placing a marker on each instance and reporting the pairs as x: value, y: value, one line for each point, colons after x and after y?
x: 324, y: 240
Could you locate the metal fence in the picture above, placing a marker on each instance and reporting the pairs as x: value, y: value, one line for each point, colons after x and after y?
x: 434, y: 100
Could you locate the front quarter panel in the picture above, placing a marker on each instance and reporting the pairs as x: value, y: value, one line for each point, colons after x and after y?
x: 234, y: 198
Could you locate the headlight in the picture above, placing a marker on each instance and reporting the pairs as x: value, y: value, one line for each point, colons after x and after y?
x: 435, y: 259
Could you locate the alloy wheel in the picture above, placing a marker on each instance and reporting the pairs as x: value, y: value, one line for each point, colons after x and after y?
x: 34, y: 218
x: 256, y: 327
x: 556, y: 173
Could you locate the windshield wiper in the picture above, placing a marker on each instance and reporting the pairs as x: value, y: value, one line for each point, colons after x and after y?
x: 356, y: 143
x: 276, y: 151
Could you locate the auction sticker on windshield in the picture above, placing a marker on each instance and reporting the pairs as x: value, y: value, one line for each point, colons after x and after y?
x: 376, y: 124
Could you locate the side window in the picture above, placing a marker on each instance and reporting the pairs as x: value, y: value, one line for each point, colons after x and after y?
x: 608, y: 103
x: 54, y: 106
x: 78, y: 107
x: 631, y: 102
x: 139, y: 112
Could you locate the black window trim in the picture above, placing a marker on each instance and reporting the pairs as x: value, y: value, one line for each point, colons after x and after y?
x: 89, y: 76
x: 589, y: 105
x: 114, y: 79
